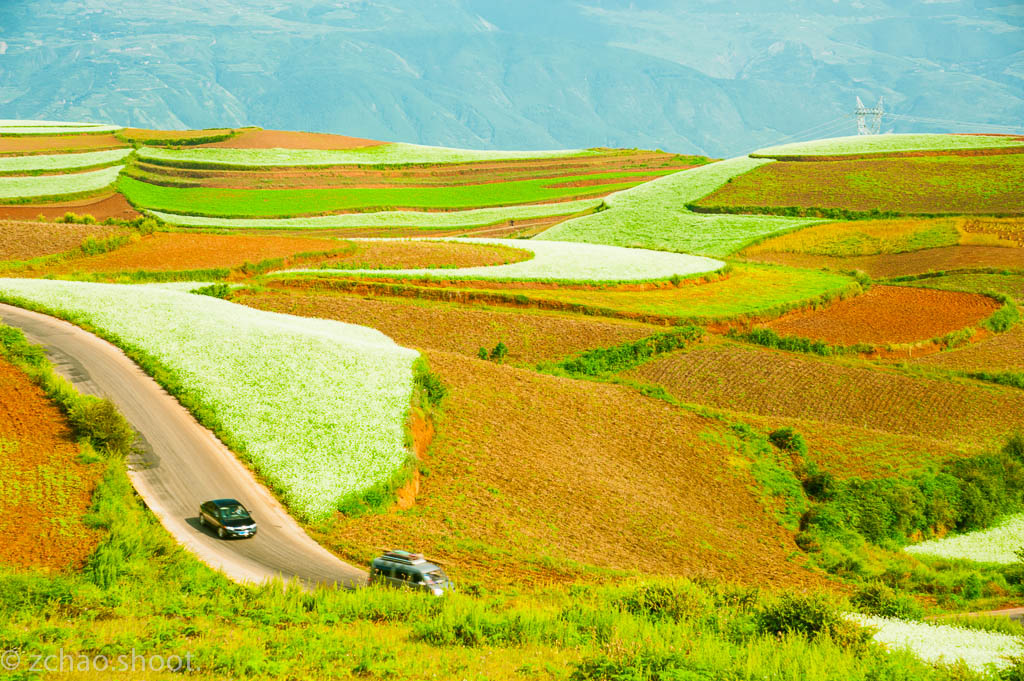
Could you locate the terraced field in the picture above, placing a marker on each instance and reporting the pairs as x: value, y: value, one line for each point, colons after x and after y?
x: 269, y: 192
x: 214, y: 254
x: 983, y: 185
x: 778, y: 384
x: 28, y: 240
x: 888, y: 315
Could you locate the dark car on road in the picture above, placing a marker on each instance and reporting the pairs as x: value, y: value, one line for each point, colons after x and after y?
x: 228, y: 517
x: 409, y: 570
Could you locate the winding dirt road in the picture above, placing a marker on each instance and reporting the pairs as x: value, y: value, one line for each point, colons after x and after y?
x: 180, y: 463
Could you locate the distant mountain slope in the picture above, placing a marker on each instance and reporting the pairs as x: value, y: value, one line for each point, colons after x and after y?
x: 707, y: 76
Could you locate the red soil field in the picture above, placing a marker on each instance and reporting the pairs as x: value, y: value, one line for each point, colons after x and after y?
x: 284, y: 139
x: 178, y: 251
x: 576, y: 472
x: 886, y: 265
x: 101, y: 208
x: 530, y: 337
x: 44, y: 490
x: 57, y: 144
x: 888, y: 314
x: 776, y: 384
x: 25, y: 240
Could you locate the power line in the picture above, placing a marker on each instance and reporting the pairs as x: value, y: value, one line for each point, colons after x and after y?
x: 965, y: 124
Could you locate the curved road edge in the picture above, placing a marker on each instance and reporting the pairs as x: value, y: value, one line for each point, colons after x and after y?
x: 180, y: 464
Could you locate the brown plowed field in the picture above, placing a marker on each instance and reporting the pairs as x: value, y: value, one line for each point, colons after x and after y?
x: 533, y: 475
x: 904, y: 264
x: 178, y: 251
x: 999, y: 352
x: 25, y: 240
x: 530, y: 337
x: 101, y: 208
x: 888, y: 314
x: 284, y: 139
x: 778, y: 384
x: 57, y: 144
x: 44, y: 490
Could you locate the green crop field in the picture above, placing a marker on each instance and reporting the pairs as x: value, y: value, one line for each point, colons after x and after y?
x: 290, y: 202
x: 926, y: 185
x: 13, y: 189
x: 654, y: 215
x: 52, y: 162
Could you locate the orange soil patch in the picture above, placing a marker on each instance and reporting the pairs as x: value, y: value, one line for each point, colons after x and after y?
x: 57, y: 144
x: 284, y: 139
x: 999, y: 352
x: 533, y: 476
x: 888, y: 314
x: 110, y: 206
x: 942, y: 259
x: 176, y: 251
x: 778, y: 384
x: 44, y: 490
x: 24, y: 240
x: 530, y: 337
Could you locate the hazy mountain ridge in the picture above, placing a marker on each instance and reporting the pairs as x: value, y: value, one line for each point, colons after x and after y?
x: 711, y: 77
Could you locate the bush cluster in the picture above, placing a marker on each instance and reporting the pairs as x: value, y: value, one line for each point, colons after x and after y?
x: 627, y: 355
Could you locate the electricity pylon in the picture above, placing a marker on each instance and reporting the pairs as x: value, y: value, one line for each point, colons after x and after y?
x: 869, y: 120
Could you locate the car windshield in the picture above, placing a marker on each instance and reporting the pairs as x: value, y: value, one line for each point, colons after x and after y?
x: 435, y: 576
x: 235, y: 512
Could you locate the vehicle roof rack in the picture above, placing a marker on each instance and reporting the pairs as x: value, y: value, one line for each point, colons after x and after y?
x: 405, y: 557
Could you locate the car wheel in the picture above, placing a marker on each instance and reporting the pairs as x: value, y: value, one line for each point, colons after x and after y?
x: 220, y: 532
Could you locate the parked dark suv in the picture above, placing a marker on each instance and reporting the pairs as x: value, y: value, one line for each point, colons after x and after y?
x: 409, y: 570
x: 228, y: 516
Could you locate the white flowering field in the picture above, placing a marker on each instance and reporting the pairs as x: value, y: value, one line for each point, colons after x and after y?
x: 654, y: 215
x: 382, y: 154
x: 55, y: 185
x: 319, y: 406
x: 14, y: 164
x: 873, y: 144
x: 995, y: 545
x: 560, y: 261
x: 460, y: 219
x: 945, y: 643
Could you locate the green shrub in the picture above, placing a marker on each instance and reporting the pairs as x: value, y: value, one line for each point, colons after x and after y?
x: 877, y: 598
x: 99, y: 421
x: 213, y: 290
x: 665, y: 601
x: 770, y: 339
x: 628, y: 355
x: 429, y: 384
x: 482, y: 353
x: 808, y: 615
x: 499, y: 352
x: 788, y: 440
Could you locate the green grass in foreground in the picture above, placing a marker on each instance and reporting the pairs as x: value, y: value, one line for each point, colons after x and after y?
x: 382, y: 154
x: 749, y: 290
x: 654, y: 215
x: 290, y: 202
x: 873, y: 144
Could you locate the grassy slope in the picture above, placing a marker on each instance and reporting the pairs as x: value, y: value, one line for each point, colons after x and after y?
x: 654, y: 215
